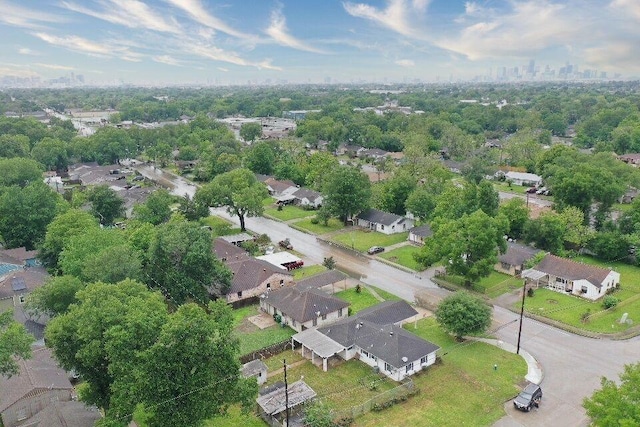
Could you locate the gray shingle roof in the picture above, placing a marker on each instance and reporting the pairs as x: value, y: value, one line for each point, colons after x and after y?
x: 379, y: 217
x: 274, y: 402
x: 322, y: 279
x: 253, y: 368
x: 67, y: 414
x: 422, y: 230
x: 302, y: 193
x: 387, y: 312
x: 518, y: 254
x: 304, y: 305
x: 572, y: 270
x: 41, y: 372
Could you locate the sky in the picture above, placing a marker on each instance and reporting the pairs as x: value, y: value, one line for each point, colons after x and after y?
x: 312, y: 41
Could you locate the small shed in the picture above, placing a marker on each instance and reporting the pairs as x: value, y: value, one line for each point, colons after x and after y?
x: 255, y: 369
x: 274, y: 404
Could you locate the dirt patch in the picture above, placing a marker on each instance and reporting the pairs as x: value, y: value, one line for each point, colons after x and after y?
x: 552, y: 301
x: 246, y: 327
x: 262, y: 320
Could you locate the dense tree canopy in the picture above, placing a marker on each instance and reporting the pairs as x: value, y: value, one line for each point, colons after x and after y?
x: 347, y: 192
x: 15, y: 342
x: 616, y: 404
x: 63, y: 228
x: 106, y: 204
x: 463, y: 314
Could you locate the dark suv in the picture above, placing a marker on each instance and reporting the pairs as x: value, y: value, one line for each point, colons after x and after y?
x: 528, y: 398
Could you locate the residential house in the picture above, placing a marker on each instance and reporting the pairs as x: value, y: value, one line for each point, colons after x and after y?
x: 39, y: 382
x: 307, y: 198
x: 20, y: 256
x: 373, y: 153
x: 564, y: 275
x: 373, y: 336
x: 523, y: 178
x: 420, y: 233
x: 280, y: 188
x: 324, y: 280
x: 253, y: 277
x: 302, y: 309
x: 255, y: 369
x: 513, y: 260
x: 65, y: 414
x: 629, y: 196
x: 274, y: 402
x: 228, y: 252
x: 632, y: 159
x: 384, y: 222
x: 17, y: 284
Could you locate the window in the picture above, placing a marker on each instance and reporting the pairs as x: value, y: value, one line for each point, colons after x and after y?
x: 388, y: 367
x: 584, y: 290
x: 381, y: 227
x: 365, y: 354
x: 268, y: 285
x: 324, y: 317
x: 293, y: 322
x: 423, y: 361
x: 282, y: 281
x: 21, y: 298
x: 340, y: 313
x: 409, y: 367
x: 240, y: 294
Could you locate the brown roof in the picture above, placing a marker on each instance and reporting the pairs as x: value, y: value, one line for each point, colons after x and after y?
x: 20, y: 254
x: 304, y: 305
x: 518, y: 254
x: 323, y: 279
x: 279, y: 186
x: 22, y: 281
x: 67, y: 414
x: 228, y: 252
x: 572, y: 270
x: 40, y: 373
x: 250, y: 273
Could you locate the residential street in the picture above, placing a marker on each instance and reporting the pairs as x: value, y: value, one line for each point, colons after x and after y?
x: 572, y: 364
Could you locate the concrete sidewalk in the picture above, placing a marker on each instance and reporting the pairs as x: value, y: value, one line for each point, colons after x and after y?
x: 534, y: 370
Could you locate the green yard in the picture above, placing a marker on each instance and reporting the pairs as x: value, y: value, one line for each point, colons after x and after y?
x: 494, y: 285
x: 463, y: 390
x: 319, y: 229
x: 358, y: 300
x: 403, y: 256
x: 384, y: 294
x: 288, y: 212
x: 504, y: 186
x: 219, y: 226
x: 308, y: 271
x: 253, y: 338
x: 362, y: 240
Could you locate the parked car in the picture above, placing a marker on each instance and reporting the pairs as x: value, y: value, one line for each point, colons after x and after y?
x: 528, y: 398
x: 286, y: 244
x: 531, y: 190
x: 375, y: 250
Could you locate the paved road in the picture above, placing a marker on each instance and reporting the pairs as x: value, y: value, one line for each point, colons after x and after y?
x: 572, y: 364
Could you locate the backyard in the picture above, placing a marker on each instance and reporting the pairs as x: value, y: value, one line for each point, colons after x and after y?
x: 403, y: 256
x: 253, y: 338
x: 361, y: 240
x: 288, y: 212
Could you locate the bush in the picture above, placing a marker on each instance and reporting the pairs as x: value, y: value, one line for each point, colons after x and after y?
x: 585, y: 316
x: 610, y: 301
x: 530, y: 292
x: 358, y: 288
x: 315, y: 220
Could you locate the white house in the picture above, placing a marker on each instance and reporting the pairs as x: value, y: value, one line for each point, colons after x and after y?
x: 304, y: 309
x: 523, y: 178
x: 306, y: 197
x: 384, y: 222
x: 419, y: 234
x: 564, y: 275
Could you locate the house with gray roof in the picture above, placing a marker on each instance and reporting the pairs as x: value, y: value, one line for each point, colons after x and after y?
x: 253, y: 277
x: 228, y: 252
x: 255, y: 369
x: 567, y: 276
x: 513, y: 260
x: 523, y: 178
x: 375, y: 337
x: 273, y: 405
x: 304, y: 309
x: 39, y: 382
x: 420, y: 233
x: 306, y: 197
x: 65, y: 414
x: 324, y: 279
x: 384, y: 222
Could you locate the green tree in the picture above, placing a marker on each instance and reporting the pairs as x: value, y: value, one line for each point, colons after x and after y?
x: 616, y: 404
x: 318, y: 414
x: 394, y: 193
x: 238, y: 190
x: 468, y: 246
x: 64, y: 227
x: 55, y: 297
x: 318, y: 166
x: 106, y: 204
x: 610, y: 245
x: 329, y: 263
x: 250, y: 131
x: 192, y: 209
x: 25, y: 214
x: 15, y: 342
x: 112, y: 264
x: 14, y: 146
x: 462, y: 314
x: 488, y: 198
x: 347, y: 192
x: 156, y: 209
x: 52, y: 153
x: 196, y: 351
x: 20, y: 172
x: 421, y: 203
x: 260, y: 158
x: 182, y: 264
x: 83, y: 246
x: 517, y: 214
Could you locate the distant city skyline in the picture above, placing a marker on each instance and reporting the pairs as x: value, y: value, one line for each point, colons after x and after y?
x: 164, y: 42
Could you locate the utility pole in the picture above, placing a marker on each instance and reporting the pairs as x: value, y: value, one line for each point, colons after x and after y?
x: 524, y: 291
x: 286, y: 391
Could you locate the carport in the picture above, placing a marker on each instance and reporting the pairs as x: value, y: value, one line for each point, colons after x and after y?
x: 319, y: 344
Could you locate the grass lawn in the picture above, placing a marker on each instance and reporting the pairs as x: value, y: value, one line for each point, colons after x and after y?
x: 498, y: 283
x: 311, y: 270
x: 569, y: 309
x: 288, y: 212
x: 503, y: 186
x: 463, y: 390
x: 333, y: 225
x: 260, y: 338
x: 362, y: 240
x: 359, y: 301
x: 239, y: 314
x: 384, y: 294
x: 622, y: 207
x: 403, y: 256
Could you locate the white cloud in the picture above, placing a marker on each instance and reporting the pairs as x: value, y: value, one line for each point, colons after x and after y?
x: 279, y: 32
x: 82, y: 45
x: 631, y: 7
x: 166, y: 59
x: 198, y: 13
x: 129, y: 13
x: 16, y: 70
x: 217, y: 54
x: 396, y: 16
x: 223, y: 69
x: 27, y: 51
x: 25, y: 18
x: 405, y: 63
x: 54, y: 66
